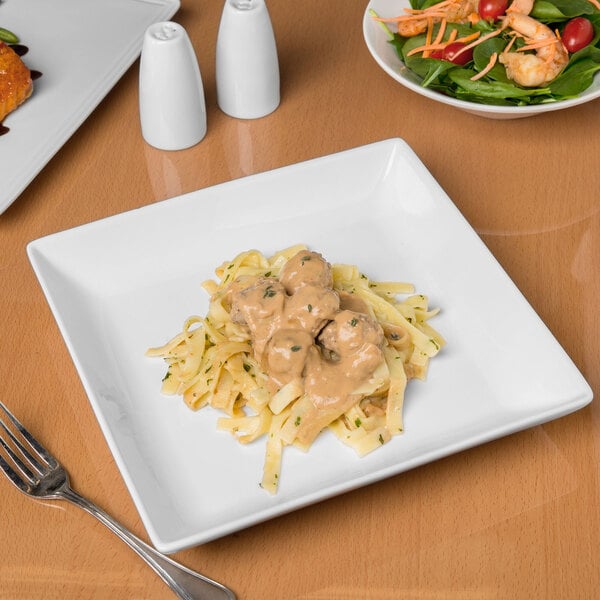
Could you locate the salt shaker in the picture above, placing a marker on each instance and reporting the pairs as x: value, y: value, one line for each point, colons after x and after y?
x: 172, y: 104
x: 247, y: 68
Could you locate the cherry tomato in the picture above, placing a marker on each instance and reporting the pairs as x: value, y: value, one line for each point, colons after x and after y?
x: 490, y: 10
x: 577, y: 34
x: 450, y: 52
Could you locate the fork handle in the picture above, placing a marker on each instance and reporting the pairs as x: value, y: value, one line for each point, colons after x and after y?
x: 186, y: 584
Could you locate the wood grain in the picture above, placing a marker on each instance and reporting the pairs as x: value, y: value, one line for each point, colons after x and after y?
x: 517, y: 518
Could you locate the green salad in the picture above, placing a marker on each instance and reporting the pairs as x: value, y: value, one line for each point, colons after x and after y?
x: 489, y: 56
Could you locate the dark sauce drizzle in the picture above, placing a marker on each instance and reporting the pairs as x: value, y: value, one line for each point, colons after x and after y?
x: 21, y: 50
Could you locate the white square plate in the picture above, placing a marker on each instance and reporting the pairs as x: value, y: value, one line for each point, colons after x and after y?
x: 82, y: 48
x: 125, y: 283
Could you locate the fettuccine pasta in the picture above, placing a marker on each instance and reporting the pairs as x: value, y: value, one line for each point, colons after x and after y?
x: 292, y: 345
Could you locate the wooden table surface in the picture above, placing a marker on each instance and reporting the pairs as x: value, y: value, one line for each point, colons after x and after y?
x: 515, y: 518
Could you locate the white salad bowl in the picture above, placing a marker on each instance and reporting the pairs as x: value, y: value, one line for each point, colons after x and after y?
x: 386, y: 57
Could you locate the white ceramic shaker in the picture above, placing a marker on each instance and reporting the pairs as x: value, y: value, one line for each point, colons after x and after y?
x: 172, y: 104
x: 247, y: 67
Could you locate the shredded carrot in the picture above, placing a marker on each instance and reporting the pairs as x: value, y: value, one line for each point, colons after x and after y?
x: 538, y: 44
x: 478, y: 41
x: 452, y: 36
x: 439, y: 5
x: 426, y: 48
x: 595, y: 3
x: 428, y: 36
x: 560, y: 40
x: 414, y: 17
x: 432, y: 8
x: 440, y: 34
x: 431, y: 11
x: 510, y: 44
x: 487, y: 68
x: 425, y: 15
x: 468, y: 38
x: 474, y: 18
x: 438, y: 44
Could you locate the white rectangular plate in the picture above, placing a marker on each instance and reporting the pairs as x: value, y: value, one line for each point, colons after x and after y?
x: 125, y: 283
x: 82, y: 48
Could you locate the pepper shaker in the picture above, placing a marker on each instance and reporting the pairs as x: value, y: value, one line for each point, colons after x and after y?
x: 247, y: 67
x: 172, y: 104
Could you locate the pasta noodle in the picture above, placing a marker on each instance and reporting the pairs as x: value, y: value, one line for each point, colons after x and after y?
x: 292, y: 345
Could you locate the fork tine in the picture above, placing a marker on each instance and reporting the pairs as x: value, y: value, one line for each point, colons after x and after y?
x: 16, y: 459
x: 33, y: 443
x: 12, y: 474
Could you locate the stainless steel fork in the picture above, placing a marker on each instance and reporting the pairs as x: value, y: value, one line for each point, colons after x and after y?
x: 35, y: 472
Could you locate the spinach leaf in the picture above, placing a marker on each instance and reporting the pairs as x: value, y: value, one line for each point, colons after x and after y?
x: 475, y: 99
x: 554, y: 11
x: 491, y: 89
x: 422, y: 4
x: 482, y: 54
x: 576, y: 79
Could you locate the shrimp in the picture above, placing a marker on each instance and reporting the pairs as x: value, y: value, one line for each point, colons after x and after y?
x: 533, y: 70
x: 417, y: 21
x: 520, y: 6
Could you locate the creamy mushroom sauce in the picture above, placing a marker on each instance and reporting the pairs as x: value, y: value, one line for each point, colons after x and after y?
x: 301, y: 328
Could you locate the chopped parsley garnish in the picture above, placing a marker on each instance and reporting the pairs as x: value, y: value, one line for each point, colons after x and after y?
x: 353, y: 322
x: 269, y: 292
x: 296, y: 348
